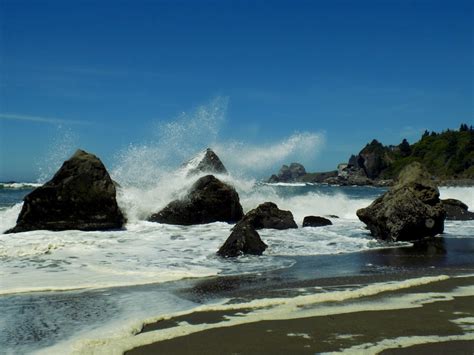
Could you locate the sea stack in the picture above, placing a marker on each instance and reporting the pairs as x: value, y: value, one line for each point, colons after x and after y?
x: 81, y: 195
x: 209, y: 200
x: 410, y: 210
x: 209, y: 163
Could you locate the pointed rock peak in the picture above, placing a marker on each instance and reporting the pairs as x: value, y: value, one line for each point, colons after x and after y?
x: 209, y: 163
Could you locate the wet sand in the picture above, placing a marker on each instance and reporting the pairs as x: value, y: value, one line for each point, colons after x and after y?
x: 444, y: 324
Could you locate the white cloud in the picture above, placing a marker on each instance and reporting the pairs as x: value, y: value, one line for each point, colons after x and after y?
x: 38, y: 119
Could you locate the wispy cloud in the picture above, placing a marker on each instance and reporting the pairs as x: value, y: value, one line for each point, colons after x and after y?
x: 39, y: 119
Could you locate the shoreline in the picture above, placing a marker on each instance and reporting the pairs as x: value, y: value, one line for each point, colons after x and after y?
x: 439, y: 311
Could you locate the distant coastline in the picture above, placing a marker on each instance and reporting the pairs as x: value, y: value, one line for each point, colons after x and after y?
x: 448, y: 156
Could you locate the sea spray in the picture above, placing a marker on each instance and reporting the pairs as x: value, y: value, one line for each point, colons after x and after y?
x: 61, y: 148
x: 152, y: 174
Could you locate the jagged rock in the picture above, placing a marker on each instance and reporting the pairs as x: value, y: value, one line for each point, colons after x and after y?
x: 316, y: 221
x: 244, y: 239
x: 457, y: 210
x: 288, y: 173
x: 373, y: 159
x: 209, y: 200
x: 268, y: 215
x: 210, y: 163
x: 81, y: 195
x: 410, y: 210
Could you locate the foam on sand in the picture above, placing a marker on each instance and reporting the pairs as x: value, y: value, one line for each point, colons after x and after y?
x: 281, y: 309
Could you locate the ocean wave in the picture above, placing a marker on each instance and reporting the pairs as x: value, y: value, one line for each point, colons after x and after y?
x: 19, y: 185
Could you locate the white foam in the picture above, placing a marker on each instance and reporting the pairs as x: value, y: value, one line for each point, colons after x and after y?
x: 286, y: 184
x: 8, y: 216
x: 400, y: 342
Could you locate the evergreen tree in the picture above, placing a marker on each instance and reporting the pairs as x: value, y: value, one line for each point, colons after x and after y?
x: 405, y: 149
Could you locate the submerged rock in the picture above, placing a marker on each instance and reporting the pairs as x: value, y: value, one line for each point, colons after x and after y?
x: 410, y: 210
x: 316, y: 221
x: 209, y: 200
x: 210, y: 163
x: 268, y: 215
x: 244, y: 239
x: 457, y: 210
x: 81, y: 195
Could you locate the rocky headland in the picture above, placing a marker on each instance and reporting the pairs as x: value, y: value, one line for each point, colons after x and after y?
x: 448, y: 157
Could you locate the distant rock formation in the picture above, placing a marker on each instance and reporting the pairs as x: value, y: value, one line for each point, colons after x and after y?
x: 244, y: 239
x: 210, y: 163
x: 316, y: 221
x: 373, y: 159
x: 209, y: 200
x: 268, y: 215
x: 411, y: 210
x: 288, y: 173
x: 457, y: 210
x: 81, y: 195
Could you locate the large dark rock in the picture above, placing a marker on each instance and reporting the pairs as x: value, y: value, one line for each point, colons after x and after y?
x: 209, y: 163
x: 268, y: 215
x: 244, y: 239
x: 410, y: 210
x: 316, y: 221
x: 209, y: 200
x: 80, y: 196
x: 457, y: 210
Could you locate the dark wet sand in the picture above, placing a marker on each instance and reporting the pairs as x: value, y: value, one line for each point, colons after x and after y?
x: 329, y: 333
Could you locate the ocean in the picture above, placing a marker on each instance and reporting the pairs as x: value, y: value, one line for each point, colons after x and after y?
x: 92, y: 292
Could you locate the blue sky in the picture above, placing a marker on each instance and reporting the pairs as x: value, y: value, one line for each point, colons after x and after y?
x: 318, y: 78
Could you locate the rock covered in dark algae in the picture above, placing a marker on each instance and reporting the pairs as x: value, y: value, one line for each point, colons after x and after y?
x: 316, y: 221
x: 244, y: 239
x: 410, y: 210
x: 81, y: 195
x: 209, y: 200
x: 268, y: 215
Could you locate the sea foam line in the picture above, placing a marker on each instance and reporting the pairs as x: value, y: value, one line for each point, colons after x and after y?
x: 278, y: 309
x: 400, y: 342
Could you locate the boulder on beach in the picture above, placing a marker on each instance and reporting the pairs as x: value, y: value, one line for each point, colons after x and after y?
x: 209, y: 200
x: 268, y: 215
x: 410, y: 210
x: 244, y: 239
x: 81, y: 195
x: 316, y: 221
x: 209, y: 163
x: 457, y: 210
